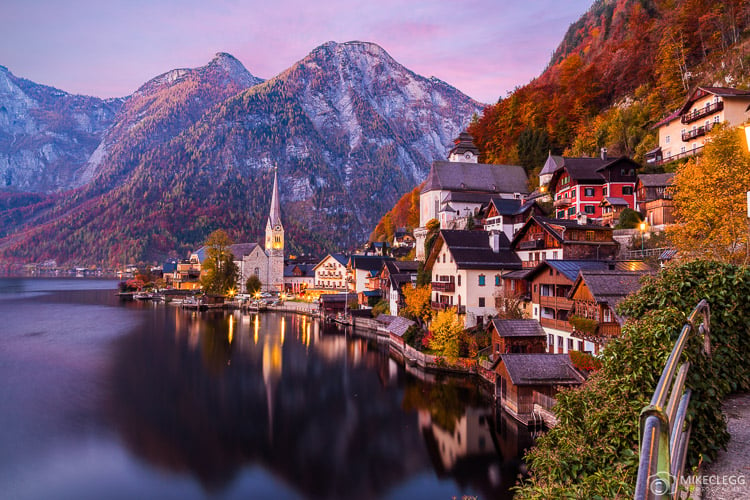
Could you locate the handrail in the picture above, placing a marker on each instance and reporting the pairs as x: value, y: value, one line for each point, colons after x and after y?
x: 663, y: 439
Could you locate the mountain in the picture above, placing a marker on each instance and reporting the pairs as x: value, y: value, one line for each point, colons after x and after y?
x: 620, y: 68
x: 349, y: 128
x: 47, y: 135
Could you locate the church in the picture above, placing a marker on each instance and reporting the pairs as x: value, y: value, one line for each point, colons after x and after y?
x: 268, y: 263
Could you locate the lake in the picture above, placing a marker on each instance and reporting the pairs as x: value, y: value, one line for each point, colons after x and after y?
x: 107, y: 399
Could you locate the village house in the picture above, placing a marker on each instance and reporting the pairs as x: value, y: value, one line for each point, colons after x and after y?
x: 580, y: 185
x: 655, y: 199
x: 551, y: 282
x: 517, y: 336
x: 402, y: 239
x: 361, y: 269
x: 466, y: 269
x: 683, y: 132
x: 595, y: 295
x: 542, y: 238
x: 458, y: 188
x: 330, y: 274
x: 299, y: 277
x: 508, y: 215
x: 525, y: 379
x: 394, y: 276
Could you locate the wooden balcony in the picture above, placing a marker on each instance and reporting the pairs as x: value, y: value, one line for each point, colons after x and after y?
x: 696, y: 132
x: 531, y: 244
x: 697, y: 114
x: 557, y: 324
x: 556, y: 302
x: 443, y: 286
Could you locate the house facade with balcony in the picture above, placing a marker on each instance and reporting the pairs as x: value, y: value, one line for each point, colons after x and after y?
x: 508, y: 215
x: 551, y: 283
x: 682, y: 133
x: 580, y: 185
x: 466, y: 269
x: 655, y: 199
x: 330, y: 274
x: 595, y: 295
x: 542, y: 238
x: 394, y: 276
x: 362, y: 269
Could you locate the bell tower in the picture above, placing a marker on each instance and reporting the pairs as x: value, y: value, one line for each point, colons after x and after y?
x: 275, y: 240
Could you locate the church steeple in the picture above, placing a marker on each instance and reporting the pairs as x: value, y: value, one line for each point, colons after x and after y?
x: 274, y: 228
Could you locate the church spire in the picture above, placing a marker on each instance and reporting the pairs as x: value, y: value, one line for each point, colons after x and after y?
x: 274, y: 218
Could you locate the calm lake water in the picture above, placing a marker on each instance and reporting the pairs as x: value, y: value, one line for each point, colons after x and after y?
x: 107, y: 399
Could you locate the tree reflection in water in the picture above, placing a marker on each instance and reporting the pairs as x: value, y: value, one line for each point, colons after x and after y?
x: 332, y: 416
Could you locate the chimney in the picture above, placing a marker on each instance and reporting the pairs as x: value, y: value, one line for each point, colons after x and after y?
x: 604, y: 154
x: 495, y: 241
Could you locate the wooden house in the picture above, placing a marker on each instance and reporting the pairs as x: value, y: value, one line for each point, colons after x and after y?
x: 518, y: 336
x: 655, y: 199
x: 523, y: 378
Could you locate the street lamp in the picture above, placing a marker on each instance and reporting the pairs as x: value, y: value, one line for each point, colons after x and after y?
x: 643, y: 230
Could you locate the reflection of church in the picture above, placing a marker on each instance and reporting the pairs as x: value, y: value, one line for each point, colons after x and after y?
x: 267, y: 264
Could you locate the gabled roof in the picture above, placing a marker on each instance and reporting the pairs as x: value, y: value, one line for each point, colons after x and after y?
x: 556, y: 228
x: 518, y: 328
x: 466, y: 197
x: 674, y: 115
x: 608, y: 286
x: 471, y: 250
x: 656, y: 180
x: 338, y: 257
x: 717, y: 91
x: 552, y: 164
x: 371, y: 263
x: 307, y: 270
x: 478, y: 177
x: 614, y: 201
x: 571, y: 268
x: 588, y: 170
x: 506, y: 206
x: 541, y: 369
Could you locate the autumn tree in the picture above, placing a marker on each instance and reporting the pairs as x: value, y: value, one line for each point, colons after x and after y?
x: 219, y: 272
x: 417, y: 304
x: 710, y: 200
x: 446, y: 333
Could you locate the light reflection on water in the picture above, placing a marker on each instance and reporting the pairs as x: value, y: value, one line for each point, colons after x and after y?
x: 130, y: 400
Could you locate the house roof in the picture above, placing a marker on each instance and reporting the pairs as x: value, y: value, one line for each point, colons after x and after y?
x: 608, y: 286
x: 541, y: 369
x: 614, y: 201
x: 571, y: 268
x: 371, y: 263
x: 471, y: 250
x: 717, y: 91
x: 518, y: 328
x: 466, y: 197
x: 552, y: 164
x: 478, y: 177
x: 506, y: 206
x: 669, y: 118
x: 308, y: 270
x: 338, y: 257
x: 395, y: 324
x: 656, y: 180
x: 556, y: 228
x: 588, y: 170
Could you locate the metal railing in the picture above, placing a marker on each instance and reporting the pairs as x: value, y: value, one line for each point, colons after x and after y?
x: 663, y: 439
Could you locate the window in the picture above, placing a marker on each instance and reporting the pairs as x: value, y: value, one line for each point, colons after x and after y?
x: 554, y: 254
x: 550, y: 339
x: 481, y: 303
x: 497, y: 280
x: 481, y: 279
x: 716, y: 119
x: 560, y: 214
x: 627, y: 190
x: 572, y: 211
x: 589, y: 235
x: 682, y: 149
x: 589, y: 209
x: 666, y: 140
x: 459, y: 280
x: 573, y: 193
x: 570, y: 344
x: 605, y: 191
x: 588, y: 192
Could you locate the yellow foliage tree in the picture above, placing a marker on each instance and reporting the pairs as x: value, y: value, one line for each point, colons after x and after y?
x: 710, y: 200
x: 447, y: 332
x: 417, y: 304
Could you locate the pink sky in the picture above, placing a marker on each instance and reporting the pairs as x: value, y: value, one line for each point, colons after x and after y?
x: 484, y: 48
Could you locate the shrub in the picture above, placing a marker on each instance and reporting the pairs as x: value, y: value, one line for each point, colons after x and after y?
x: 593, y: 450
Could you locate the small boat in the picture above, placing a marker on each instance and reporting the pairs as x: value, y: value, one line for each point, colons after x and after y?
x: 142, y: 296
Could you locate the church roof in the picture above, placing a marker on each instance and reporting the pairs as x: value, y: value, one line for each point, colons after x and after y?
x: 552, y: 164
x: 479, y: 177
x: 463, y: 143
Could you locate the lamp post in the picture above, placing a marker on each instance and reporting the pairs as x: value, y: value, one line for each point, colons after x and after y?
x: 643, y: 230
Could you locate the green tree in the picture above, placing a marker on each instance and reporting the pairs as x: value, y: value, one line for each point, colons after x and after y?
x: 629, y: 219
x: 219, y: 272
x: 447, y: 333
x: 710, y: 200
x: 253, y: 284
